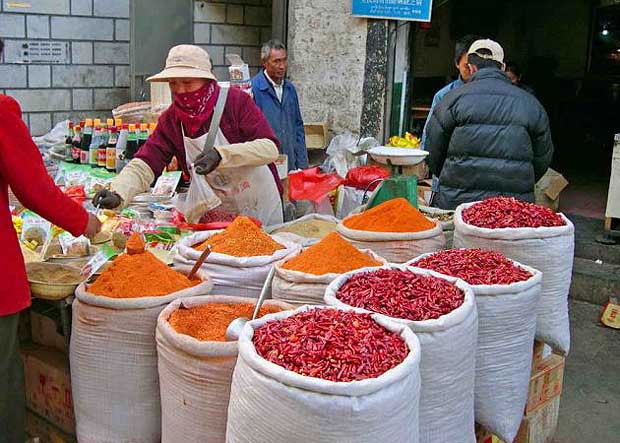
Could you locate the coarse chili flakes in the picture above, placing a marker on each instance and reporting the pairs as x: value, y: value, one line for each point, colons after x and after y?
x: 331, y: 344
x: 401, y: 294
x: 508, y: 212
x: 475, y: 266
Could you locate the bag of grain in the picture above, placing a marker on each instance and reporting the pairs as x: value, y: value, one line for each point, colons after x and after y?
x: 307, y: 230
x: 534, y: 236
x: 441, y: 311
x: 337, y: 400
x: 506, y: 295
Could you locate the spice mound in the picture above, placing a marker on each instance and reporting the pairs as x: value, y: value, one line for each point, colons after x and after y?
x: 139, y: 275
x: 401, y: 294
x: 314, y: 228
x: 135, y: 244
x: 242, y: 238
x: 330, y: 344
x: 508, y: 212
x: 51, y: 273
x: 333, y: 254
x: 209, y: 322
x: 397, y: 215
x: 475, y: 266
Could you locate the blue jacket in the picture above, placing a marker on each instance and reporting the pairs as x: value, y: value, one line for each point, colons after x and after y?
x: 284, y: 118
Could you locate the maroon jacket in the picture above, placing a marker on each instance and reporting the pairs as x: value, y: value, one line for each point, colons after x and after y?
x: 22, y: 168
x: 242, y: 121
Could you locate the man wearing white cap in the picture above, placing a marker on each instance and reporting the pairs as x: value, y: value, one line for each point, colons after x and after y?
x: 220, y: 139
x: 488, y: 137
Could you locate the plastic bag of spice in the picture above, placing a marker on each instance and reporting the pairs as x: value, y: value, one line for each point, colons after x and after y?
x: 548, y: 249
x: 448, y: 346
x: 270, y: 404
x: 113, y: 355
x: 240, y: 276
x: 309, y: 229
x: 506, y: 326
x: 195, y: 375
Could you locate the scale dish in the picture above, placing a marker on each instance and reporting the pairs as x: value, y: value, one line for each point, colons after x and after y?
x: 398, y: 156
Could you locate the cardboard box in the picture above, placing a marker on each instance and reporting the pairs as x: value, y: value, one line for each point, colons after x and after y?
x: 48, y: 385
x: 38, y: 427
x: 547, y: 190
x: 316, y: 135
x: 45, y: 331
x: 545, y: 382
x: 542, y: 351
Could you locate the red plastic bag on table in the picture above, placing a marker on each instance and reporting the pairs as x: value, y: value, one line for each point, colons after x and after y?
x: 76, y: 193
x: 311, y: 184
x: 362, y: 177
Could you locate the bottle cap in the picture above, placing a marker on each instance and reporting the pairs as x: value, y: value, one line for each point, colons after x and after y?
x: 118, y: 122
x: 89, y: 122
x: 97, y: 122
x: 144, y: 126
x: 132, y: 127
x: 110, y: 122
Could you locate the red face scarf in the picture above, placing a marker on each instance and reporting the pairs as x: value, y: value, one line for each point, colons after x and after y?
x: 196, y: 108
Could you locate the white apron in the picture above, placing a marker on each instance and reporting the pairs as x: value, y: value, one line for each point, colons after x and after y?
x: 245, y: 190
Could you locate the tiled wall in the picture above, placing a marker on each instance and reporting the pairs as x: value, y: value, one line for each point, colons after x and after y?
x: 96, y: 77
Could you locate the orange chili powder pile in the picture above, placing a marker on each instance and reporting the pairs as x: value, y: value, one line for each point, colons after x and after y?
x: 242, y: 238
x: 135, y: 244
x: 139, y: 275
x: 397, y: 215
x: 333, y: 254
x: 209, y: 322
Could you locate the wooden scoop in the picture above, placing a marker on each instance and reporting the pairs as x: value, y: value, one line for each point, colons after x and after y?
x: 200, y: 261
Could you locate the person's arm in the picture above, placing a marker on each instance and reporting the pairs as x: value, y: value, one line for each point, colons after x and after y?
x: 439, y: 131
x: 542, y: 144
x: 301, y: 152
x: 22, y: 168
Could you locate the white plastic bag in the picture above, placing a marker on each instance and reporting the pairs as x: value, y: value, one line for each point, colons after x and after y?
x: 349, y: 199
x: 396, y: 247
x: 280, y: 229
x: 299, y: 288
x: 506, y: 326
x: 239, y: 276
x: 447, y: 365
x: 548, y: 249
x: 114, y: 365
x: 269, y: 404
x: 195, y: 377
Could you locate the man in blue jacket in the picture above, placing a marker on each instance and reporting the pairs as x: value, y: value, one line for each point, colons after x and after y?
x: 277, y: 98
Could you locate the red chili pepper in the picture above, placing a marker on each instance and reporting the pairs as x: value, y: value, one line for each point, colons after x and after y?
x: 475, y: 266
x: 401, y: 294
x: 330, y: 344
x: 508, y: 212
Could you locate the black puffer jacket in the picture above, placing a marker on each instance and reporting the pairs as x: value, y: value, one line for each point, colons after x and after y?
x: 487, y: 138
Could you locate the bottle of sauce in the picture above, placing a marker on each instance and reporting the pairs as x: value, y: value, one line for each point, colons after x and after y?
x: 144, y: 134
x: 69, y: 143
x: 121, y: 145
x: 93, y: 149
x: 87, y: 136
x: 110, y: 155
x: 103, y: 144
x: 76, y: 143
x: 132, y: 143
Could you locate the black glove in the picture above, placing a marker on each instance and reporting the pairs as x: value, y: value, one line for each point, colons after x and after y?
x: 207, y: 161
x: 107, y: 199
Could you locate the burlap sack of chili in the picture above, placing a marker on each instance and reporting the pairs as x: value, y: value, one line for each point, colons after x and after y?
x: 195, y: 376
x: 506, y: 326
x: 548, y: 249
x: 270, y: 404
x: 447, y: 367
x: 238, y: 276
x: 394, y: 230
x: 113, y: 359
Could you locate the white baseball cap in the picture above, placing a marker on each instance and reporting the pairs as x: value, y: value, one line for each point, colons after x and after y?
x: 495, y: 49
x: 185, y: 61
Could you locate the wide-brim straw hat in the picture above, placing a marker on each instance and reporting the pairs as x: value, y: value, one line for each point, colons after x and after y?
x: 185, y: 61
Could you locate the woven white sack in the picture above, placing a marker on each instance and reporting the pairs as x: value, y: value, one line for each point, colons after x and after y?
x: 506, y: 326
x: 113, y: 359
x: 447, y: 366
x: 304, y: 241
x: 300, y: 288
x: 396, y: 247
x: 195, y: 377
x: 269, y: 404
x: 548, y: 249
x: 237, y: 276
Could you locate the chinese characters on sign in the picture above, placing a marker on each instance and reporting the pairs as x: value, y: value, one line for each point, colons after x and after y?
x: 414, y: 10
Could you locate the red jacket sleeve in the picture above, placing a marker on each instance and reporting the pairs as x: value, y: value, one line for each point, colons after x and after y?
x: 22, y: 168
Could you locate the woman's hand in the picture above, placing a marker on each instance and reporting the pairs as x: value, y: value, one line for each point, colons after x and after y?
x: 107, y: 199
x: 207, y: 161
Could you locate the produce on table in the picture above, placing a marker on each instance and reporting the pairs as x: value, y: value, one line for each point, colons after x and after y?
x: 508, y: 212
x: 312, y: 228
x: 333, y: 254
x: 475, y: 266
x: 396, y: 215
x: 401, y: 294
x: 242, y: 238
x: 209, y: 322
x: 408, y: 141
x: 441, y: 216
x: 330, y: 344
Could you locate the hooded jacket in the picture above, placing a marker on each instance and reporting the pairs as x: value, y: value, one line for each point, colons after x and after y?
x: 488, y: 138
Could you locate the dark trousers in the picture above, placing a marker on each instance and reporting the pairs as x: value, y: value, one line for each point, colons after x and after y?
x: 12, y: 397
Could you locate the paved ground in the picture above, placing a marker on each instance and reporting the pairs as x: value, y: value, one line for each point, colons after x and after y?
x: 590, y: 404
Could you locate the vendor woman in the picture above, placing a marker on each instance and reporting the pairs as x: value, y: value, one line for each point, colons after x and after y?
x: 217, y: 134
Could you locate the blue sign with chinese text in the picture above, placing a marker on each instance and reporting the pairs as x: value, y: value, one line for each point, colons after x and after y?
x: 413, y: 10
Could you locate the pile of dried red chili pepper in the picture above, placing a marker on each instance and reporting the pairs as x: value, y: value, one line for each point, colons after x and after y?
x: 401, y: 294
x: 508, y: 212
x: 330, y: 344
x: 475, y: 266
